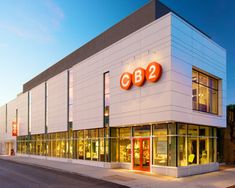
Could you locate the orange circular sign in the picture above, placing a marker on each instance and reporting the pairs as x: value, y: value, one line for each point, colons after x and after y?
x: 153, y: 72
x: 138, y: 77
x: 125, y: 81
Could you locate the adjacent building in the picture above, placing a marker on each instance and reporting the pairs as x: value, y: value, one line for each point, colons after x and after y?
x: 226, y: 138
x: 147, y: 94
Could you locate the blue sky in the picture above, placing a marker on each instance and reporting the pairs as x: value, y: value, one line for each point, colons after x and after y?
x: 36, y: 34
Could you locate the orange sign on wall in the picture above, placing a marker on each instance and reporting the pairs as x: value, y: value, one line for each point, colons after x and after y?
x: 125, y: 81
x: 138, y: 77
x: 152, y: 73
x: 14, y: 128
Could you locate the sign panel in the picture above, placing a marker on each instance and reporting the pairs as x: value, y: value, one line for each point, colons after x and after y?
x: 152, y: 74
x: 14, y: 128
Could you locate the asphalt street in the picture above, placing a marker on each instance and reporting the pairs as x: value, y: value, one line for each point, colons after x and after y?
x: 15, y: 175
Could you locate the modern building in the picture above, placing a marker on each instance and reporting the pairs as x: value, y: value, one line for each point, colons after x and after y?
x: 147, y: 94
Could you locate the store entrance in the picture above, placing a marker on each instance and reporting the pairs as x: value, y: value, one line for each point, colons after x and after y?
x: 141, y: 154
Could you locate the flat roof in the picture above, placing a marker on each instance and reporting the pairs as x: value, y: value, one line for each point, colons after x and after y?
x: 140, y: 18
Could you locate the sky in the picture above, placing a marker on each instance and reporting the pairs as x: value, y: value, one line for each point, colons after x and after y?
x: 35, y: 34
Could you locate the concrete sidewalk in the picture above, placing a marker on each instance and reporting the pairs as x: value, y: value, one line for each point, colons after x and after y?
x: 219, y: 179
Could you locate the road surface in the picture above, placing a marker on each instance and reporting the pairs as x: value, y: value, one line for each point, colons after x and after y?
x: 15, y: 175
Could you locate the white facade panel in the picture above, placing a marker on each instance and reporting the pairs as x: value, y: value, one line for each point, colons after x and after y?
x: 88, y: 96
x: 151, y: 43
x: 22, y: 106
x: 57, y: 102
x: 38, y: 109
x: 151, y: 102
x: 190, y: 48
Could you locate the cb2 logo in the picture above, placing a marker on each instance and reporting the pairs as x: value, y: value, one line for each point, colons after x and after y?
x: 152, y: 73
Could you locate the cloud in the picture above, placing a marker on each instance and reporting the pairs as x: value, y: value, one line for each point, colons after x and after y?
x: 33, y: 20
x: 55, y: 9
x: 3, y: 45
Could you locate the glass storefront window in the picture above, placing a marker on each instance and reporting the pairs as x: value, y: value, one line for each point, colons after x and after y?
x: 87, y: 143
x: 204, y: 150
x: 125, y: 150
x: 95, y: 149
x: 94, y: 145
x: 107, y: 144
x: 114, y: 132
x: 101, y: 148
x: 192, y: 130
x: 114, y: 149
x: 204, y: 131
x: 182, y: 144
x: 75, y: 144
x: 171, y: 128
x: 160, y: 129
x: 143, y: 130
x: 173, y: 144
x: 160, y: 150
x: 192, y: 144
x: 182, y: 151
x: 80, y: 144
x: 125, y: 144
x: 182, y: 129
x: 39, y: 145
x: 125, y: 132
x: 171, y: 151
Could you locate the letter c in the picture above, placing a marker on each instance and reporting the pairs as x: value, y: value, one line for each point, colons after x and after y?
x: 125, y: 81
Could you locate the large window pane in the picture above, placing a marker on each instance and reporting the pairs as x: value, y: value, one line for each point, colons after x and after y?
x: 171, y: 150
x: 171, y: 128
x: 80, y: 145
x: 203, y: 99
x: 192, y: 130
x: 101, y: 148
x: 125, y: 132
x: 125, y: 144
x: 192, y: 150
x: 203, y: 79
x: 94, y: 145
x: 114, y: 149
x: 95, y: 149
x: 141, y: 130
x: 213, y: 83
x: 192, y: 144
x: 182, y: 151
x: 204, y: 150
x: 87, y: 149
x: 182, y: 144
x: 204, y: 93
x: 125, y: 150
x: 160, y: 150
x: 160, y: 130
x: 204, y: 131
x: 213, y: 104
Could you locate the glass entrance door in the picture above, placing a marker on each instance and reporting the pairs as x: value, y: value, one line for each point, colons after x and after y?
x: 141, y: 154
